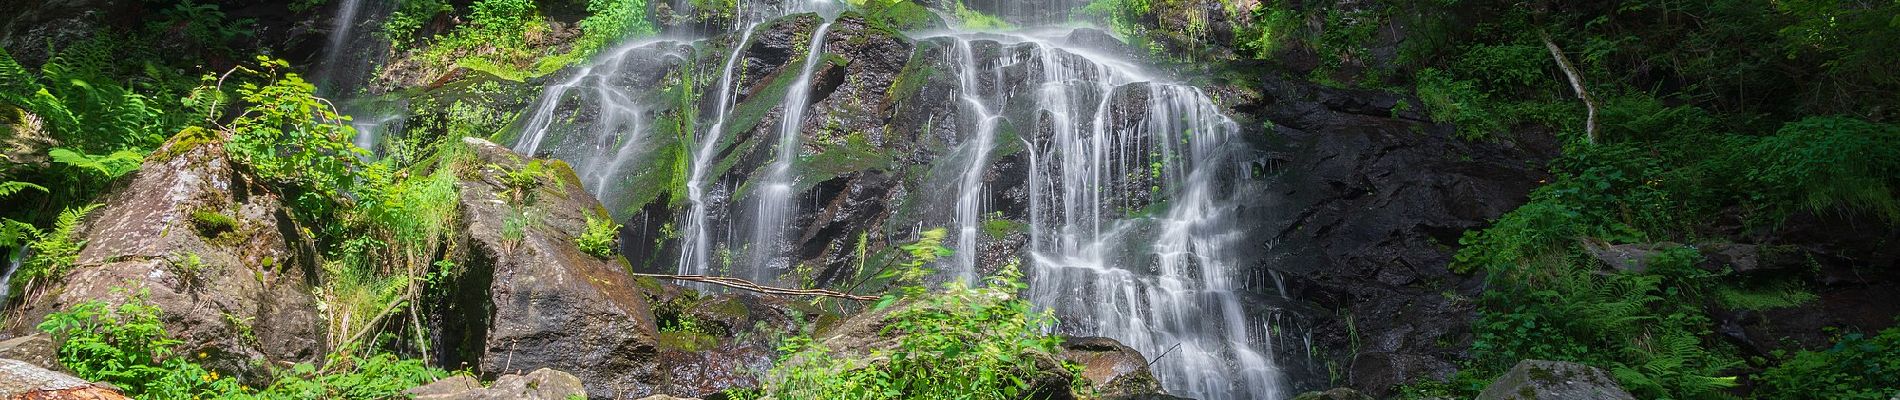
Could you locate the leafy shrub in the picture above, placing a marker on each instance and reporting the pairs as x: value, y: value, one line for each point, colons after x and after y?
x: 1857, y: 367
x: 289, y: 135
x: 127, y: 346
x: 1827, y: 164
x: 598, y: 240
x: 960, y: 343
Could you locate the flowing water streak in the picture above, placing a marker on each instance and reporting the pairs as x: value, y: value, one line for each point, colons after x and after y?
x: 618, y: 122
x: 976, y: 152
x: 775, y: 192
x: 1165, y: 283
x: 13, y: 265
x: 696, y: 249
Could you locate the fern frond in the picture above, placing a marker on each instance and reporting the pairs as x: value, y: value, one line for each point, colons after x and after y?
x: 109, y: 166
x: 8, y: 188
x: 15, y: 233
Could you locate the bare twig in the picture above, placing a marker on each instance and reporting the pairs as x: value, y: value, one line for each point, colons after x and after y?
x: 742, y: 284
x: 1576, y: 83
x: 1164, y: 353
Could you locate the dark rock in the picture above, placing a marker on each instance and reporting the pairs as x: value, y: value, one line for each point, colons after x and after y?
x: 1100, y: 40
x: 542, y: 384
x: 240, y: 293
x: 1334, y: 394
x: 21, y: 380
x: 722, y: 341
x: 553, y: 306
x: 1365, y: 213
x: 1626, y: 257
x: 1114, y: 370
x: 1554, y: 380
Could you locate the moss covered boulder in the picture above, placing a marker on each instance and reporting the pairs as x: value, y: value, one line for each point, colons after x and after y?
x: 525, y: 296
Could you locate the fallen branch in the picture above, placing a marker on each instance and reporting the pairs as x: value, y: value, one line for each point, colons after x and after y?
x: 1576, y: 83
x: 745, y: 285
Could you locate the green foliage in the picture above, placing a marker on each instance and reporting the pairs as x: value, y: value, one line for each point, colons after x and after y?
x: 599, y: 239
x: 902, y: 15
x: 497, y: 37
x: 127, y: 345
x: 289, y: 135
x: 107, y: 167
x: 1857, y: 367
x: 203, y: 25
x: 409, y: 16
x: 960, y: 343
x: 977, y: 20
x: 54, y: 251
x: 1827, y: 164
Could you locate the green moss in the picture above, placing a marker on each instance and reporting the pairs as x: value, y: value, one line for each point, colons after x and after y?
x: 911, y: 80
x: 997, y: 227
x: 901, y: 15
x: 212, y: 224
x: 855, y: 153
x: 688, y: 341
x: 186, y: 140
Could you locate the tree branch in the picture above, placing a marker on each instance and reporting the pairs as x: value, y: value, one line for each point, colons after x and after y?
x: 1576, y: 83
x: 745, y: 285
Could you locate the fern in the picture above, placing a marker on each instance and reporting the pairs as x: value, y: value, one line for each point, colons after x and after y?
x: 10, y: 187
x: 108, y: 166
x: 56, y: 250
x: 15, y: 233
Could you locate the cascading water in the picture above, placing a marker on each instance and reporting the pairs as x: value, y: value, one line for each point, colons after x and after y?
x: 976, y: 152
x: 1134, y: 186
x: 13, y: 265
x: 775, y: 191
x: 696, y: 248
x: 1133, y: 238
x: 607, y: 138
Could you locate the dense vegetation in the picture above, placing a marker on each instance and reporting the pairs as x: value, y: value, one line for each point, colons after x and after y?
x: 1683, y: 123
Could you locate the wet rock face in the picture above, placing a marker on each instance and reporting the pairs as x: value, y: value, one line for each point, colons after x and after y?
x: 551, y: 306
x: 1554, y: 380
x: 1366, y: 208
x: 711, y: 343
x: 1113, y: 370
x: 210, y: 247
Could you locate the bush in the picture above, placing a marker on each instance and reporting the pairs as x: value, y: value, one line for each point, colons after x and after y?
x: 1827, y: 164
x: 289, y: 135
x: 598, y: 240
x: 960, y: 343
x: 1857, y: 367
x: 127, y: 346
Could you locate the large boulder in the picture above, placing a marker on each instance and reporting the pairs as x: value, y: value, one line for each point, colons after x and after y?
x: 200, y: 238
x: 22, y: 380
x: 542, y: 384
x: 1113, y: 370
x: 526, y: 297
x: 1554, y: 380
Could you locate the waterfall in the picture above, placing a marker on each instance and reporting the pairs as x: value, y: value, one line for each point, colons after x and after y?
x: 1132, y: 231
x: 603, y: 140
x: 13, y: 265
x: 696, y: 247
x: 968, y: 210
x: 775, y: 191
